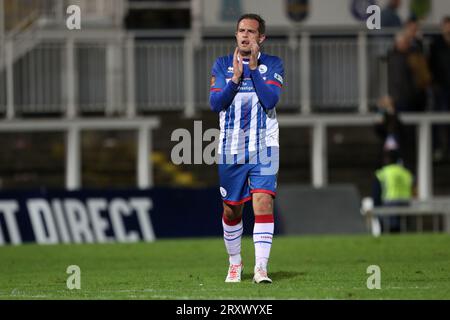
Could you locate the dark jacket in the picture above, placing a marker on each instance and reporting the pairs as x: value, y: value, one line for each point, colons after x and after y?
x: 391, y: 125
x: 401, y: 86
x: 440, y: 62
x: 408, y: 80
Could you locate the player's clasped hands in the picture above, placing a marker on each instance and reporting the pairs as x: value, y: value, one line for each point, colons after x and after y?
x: 237, y: 67
x: 237, y: 61
x: 254, y: 47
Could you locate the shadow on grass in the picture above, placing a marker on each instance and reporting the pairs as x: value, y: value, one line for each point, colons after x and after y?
x: 276, y: 275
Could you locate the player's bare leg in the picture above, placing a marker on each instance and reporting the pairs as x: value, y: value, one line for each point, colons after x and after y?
x: 262, y: 234
x: 232, y: 234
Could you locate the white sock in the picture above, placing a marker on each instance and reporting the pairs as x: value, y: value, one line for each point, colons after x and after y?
x: 262, y: 238
x: 232, y: 235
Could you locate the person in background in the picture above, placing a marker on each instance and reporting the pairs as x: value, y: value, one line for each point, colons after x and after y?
x: 419, y: 64
x: 412, y: 32
x: 408, y: 75
x: 393, y: 187
x: 400, y: 79
x: 390, y: 129
x: 439, y: 60
x: 389, y: 15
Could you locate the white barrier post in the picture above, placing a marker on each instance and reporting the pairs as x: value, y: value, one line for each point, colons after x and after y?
x: 424, y: 170
x: 9, y: 47
x: 319, y: 155
x: 71, y: 110
x: 305, y: 73
x: 130, y: 83
x: 73, y: 166
x: 144, y: 171
x: 362, y: 72
x: 189, y: 77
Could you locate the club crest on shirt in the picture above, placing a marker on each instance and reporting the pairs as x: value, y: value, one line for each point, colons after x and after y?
x: 223, y: 192
x: 230, y: 69
x: 262, y: 68
x: 213, y: 81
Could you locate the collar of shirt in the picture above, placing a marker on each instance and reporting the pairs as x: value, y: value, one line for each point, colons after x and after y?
x: 246, y: 61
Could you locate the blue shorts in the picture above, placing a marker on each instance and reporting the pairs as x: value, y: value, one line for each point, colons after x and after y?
x: 239, y: 181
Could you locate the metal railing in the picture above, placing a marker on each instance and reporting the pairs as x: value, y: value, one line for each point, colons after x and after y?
x: 159, y: 75
x: 434, y: 208
x: 118, y: 72
x: 318, y: 123
x: 319, y: 153
x: 111, y: 73
x: 73, y: 130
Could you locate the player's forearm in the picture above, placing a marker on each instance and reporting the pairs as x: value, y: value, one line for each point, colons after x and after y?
x: 222, y: 99
x: 267, y: 96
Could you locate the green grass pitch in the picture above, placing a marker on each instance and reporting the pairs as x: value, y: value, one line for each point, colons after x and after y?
x: 413, y: 266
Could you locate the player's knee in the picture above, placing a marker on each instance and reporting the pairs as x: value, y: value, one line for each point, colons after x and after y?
x: 228, y: 213
x: 232, y: 212
x: 263, y: 204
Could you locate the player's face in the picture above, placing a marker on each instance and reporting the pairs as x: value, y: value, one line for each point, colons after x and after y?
x: 247, y: 32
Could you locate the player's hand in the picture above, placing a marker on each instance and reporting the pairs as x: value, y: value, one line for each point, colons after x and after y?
x: 238, y: 68
x: 253, y: 64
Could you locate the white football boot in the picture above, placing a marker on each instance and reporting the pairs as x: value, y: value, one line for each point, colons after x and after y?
x: 234, y: 273
x: 261, y: 276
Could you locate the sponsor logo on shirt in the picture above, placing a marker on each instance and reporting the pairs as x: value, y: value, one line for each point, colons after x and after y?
x: 278, y: 77
x: 246, y: 88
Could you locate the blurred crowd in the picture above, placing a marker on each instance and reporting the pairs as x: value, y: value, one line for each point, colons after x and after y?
x: 418, y: 80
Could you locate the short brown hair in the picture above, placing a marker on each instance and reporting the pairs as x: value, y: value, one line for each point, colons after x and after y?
x: 253, y: 16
